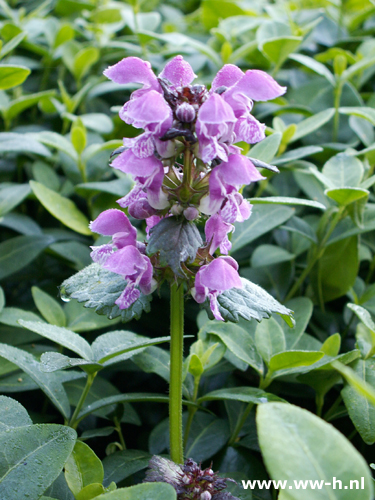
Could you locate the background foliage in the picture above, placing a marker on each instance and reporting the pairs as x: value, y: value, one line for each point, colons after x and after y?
x: 309, y: 242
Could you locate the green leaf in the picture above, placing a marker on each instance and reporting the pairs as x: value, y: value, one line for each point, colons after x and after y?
x: 56, y: 141
x: 298, y: 446
x: 263, y: 219
x: 82, y: 468
x: 118, y: 466
x: 363, y: 315
x: 61, y: 336
x: 176, y: 241
x: 361, y: 411
x: 278, y: 49
x: 292, y: 361
x: 249, y: 302
x: 54, y: 361
x: 207, y: 436
x: 48, y: 307
x: 331, y: 346
x: 16, y: 253
x: 284, y: 200
x: 83, y: 61
x: 268, y: 255
x: 48, y: 383
x: 343, y: 170
x: 244, y: 394
x: 154, y: 491
x: 78, y: 136
x: 61, y: 208
x: 312, y: 123
x: 315, y: 66
x: 297, y: 154
x: 99, y: 289
x: 237, y: 340
x: 107, y: 347
x: 364, y: 112
x: 336, y: 271
x: 153, y: 360
x: 356, y: 381
x: 346, y: 195
x: 12, y: 44
x: 365, y: 340
x: 11, y: 315
x: 12, y: 414
x: 91, y: 491
x: 21, y: 143
x: 266, y: 150
x: 358, y: 67
x: 2, y: 300
x: 12, y: 76
x: 31, y: 458
x: 269, y: 339
x: 24, y: 102
x: 303, y: 308
x: 11, y: 196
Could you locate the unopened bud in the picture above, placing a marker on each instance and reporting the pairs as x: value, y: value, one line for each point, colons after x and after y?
x: 185, y: 112
x: 206, y: 495
x: 176, y: 209
x: 141, y: 209
x: 191, y: 213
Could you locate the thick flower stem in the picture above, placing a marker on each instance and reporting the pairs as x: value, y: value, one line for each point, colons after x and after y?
x: 175, y: 386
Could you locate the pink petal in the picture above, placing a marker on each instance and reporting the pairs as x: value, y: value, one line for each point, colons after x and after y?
x: 249, y: 130
x: 133, y: 70
x: 138, y: 167
x: 128, y: 296
x: 178, y: 72
x: 258, y: 86
x: 216, y: 231
x: 110, y: 222
x: 127, y: 261
x: 227, y: 76
x: 220, y: 275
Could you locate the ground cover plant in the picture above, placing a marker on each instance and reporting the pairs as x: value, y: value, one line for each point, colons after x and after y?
x: 220, y: 325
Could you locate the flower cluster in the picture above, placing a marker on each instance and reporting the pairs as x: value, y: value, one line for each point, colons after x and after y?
x: 185, y: 165
x: 189, y: 480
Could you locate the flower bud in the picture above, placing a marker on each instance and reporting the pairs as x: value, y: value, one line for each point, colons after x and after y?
x: 185, y: 112
x: 176, y: 209
x: 141, y: 209
x: 206, y: 496
x: 191, y: 213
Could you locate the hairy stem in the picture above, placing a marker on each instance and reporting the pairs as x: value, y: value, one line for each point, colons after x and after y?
x: 175, y: 385
x: 90, y: 379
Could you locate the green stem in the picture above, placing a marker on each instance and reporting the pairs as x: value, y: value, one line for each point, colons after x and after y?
x: 119, y: 432
x: 319, y: 399
x: 90, y: 379
x: 317, y: 254
x: 175, y: 386
x: 192, y: 410
x: 333, y: 408
x: 336, y: 118
x: 240, y: 423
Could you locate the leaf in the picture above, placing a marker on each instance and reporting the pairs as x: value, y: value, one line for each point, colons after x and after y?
x: 301, y: 227
x: 364, y: 112
x: 12, y: 414
x: 297, y: 154
x: 118, y: 466
x: 336, y: 271
x: 16, y: 253
x: 49, y: 308
x: 82, y: 468
x: 244, y: 394
x: 284, y: 200
x: 24, y: 102
x: 11, y: 142
x: 264, y: 218
x: 12, y: 44
x: 11, y: 196
x: 145, y: 491
x: 109, y: 346
x: 298, y: 446
x: 312, y: 123
x: 176, y: 241
x: 83, y: 61
x: 2, y: 301
x: 237, y: 340
x: 361, y: 411
x: 32, y: 457
x: 357, y: 382
x: 11, y: 315
x: 268, y: 255
x: 249, y: 302
x: 61, y: 208
x: 153, y: 360
x: 358, y: 67
x: 56, y: 141
x: 12, y: 76
x: 343, y: 170
x: 207, y: 436
x: 61, y: 336
x: 99, y: 289
x: 345, y: 196
x: 48, y: 383
x: 269, y: 339
x: 266, y: 150
x: 292, y: 361
x: 315, y: 66
x: 278, y: 49
x: 54, y: 361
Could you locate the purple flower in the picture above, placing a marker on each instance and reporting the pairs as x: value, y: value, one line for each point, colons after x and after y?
x: 215, y: 129
x: 178, y: 72
x: 133, y: 70
x: 214, y: 278
x: 217, y: 231
x: 136, y: 268
x: 225, y: 180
